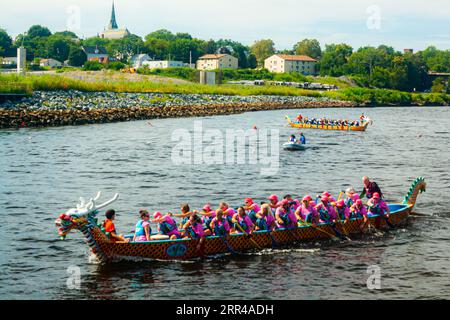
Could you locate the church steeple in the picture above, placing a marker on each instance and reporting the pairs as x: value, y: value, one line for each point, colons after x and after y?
x: 113, y: 23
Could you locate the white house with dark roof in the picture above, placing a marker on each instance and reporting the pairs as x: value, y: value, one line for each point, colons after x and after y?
x: 284, y: 63
x: 138, y: 60
x: 50, y: 63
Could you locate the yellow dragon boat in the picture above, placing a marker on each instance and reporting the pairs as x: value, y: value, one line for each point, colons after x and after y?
x: 326, y: 127
x: 83, y: 218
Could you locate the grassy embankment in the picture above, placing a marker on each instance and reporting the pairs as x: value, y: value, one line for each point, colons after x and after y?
x: 16, y: 84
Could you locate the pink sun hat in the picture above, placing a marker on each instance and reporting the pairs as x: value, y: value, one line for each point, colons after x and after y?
x: 157, y: 215
x: 283, y: 202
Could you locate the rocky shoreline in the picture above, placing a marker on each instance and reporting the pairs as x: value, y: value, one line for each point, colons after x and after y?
x: 45, y: 109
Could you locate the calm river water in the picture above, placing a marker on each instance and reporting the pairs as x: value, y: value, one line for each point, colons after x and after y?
x: 44, y: 171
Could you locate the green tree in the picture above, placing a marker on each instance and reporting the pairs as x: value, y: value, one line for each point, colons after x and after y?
x: 123, y: 49
x: 238, y: 50
x: 308, y: 47
x: 262, y: 49
x: 38, y: 31
x: 77, y: 57
x: 440, y: 85
x: 252, y: 62
x: 158, y: 49
x: 58, y: 48
x: 161, y: 34
x: 5, y: 43
x: 95, y: 41
x: 334, y: 59
x: 209, y: 46
x: 93, y: 66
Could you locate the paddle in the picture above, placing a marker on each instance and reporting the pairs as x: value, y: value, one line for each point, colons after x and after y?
x: 248, y: 235
x: 333, y: 237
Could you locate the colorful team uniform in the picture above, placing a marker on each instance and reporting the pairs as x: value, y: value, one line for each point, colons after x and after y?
x: 245, y: 223
x: 253, y: 211
x: 195, y: 231
x: 168, y: 227
x: 221, y: 228
x: 288, y: 217
x: 265, y: 222
x: 140, y: 230
x: 378, y: 209
x: 359, y: 212
x: 228, y: 215
x: 207, y: 219
x: 343, y: 213
x: 326, y: 213
x: 308, y: 214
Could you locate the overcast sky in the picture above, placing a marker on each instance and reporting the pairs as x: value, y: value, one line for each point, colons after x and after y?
x: 400, y: 23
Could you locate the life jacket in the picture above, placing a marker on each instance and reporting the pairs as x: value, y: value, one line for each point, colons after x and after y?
x: 349, y: 202
x: 243, y: 224
x: 140, y: 230
x: 324, y: 215
x: 286, y: 219
x: 356, y: 214
x: 252, y: 216
x: 193, y: 234
x: 166, y: 227
x: 207, y: 221
x: 262, y: 224
x: 341, y: 213
x: 376, y: 210
x: 219, y: 230
x: 308, y: 217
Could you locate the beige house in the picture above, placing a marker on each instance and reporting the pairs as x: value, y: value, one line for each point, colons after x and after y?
x: 284, y: 63
x: 217, y: 61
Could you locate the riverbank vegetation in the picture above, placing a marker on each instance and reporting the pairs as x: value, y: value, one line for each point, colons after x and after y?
x: 371, y: 67
x: 59, y: 82
x: 362, y: 96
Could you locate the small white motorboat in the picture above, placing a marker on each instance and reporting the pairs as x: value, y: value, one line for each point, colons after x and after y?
x: 293, y: 146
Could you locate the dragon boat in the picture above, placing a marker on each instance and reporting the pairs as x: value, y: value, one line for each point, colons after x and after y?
x: 83, y: 218
x: 299, y: 125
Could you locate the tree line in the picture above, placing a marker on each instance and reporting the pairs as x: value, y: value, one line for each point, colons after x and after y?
x: 381, y: 67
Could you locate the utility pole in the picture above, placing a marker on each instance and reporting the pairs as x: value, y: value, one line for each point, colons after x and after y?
x: 190, y: 59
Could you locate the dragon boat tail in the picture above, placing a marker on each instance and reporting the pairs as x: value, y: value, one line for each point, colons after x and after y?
x: 83, y: 218
x: 326, y: 127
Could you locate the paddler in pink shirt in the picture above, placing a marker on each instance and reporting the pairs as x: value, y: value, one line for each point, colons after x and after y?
x: 166, y: 225
x: 326, y: 211
x: 265, y: 219
x: 251, y: 208
x: 377, y: 207
x: 342, y: 211
x: 285, y: 217
x: 227, y: 212
x: 306, y: 212
x: 242, y: 221
x: 273, y: 202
